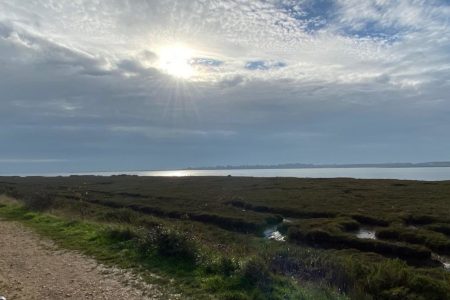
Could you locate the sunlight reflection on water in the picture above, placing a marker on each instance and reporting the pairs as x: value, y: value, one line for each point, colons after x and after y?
x: 274, y: 234
x: 364, y: 233
x: 442, y: 173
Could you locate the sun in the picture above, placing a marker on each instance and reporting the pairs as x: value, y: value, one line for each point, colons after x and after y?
x: 176, y: 61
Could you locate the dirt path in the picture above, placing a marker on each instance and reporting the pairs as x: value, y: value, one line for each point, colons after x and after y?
x: 33, y: 268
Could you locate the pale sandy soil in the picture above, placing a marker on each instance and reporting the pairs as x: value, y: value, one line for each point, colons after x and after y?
x: 34, y: 268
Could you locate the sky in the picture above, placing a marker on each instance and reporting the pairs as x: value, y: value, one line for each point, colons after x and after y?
x: 142, y: 84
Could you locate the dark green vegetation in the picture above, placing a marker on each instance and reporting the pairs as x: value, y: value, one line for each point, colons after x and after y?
x: 205, y: 232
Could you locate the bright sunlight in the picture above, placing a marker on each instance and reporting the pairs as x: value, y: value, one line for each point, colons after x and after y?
x: 175, y: 61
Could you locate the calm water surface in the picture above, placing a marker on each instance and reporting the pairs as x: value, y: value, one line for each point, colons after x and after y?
x: 441, y: 173
x: 436, y: 173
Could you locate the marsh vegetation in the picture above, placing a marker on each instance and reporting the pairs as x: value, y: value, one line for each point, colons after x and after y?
x: 253, y: 238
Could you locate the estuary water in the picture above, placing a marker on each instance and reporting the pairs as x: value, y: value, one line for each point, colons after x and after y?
x: 424, y: 173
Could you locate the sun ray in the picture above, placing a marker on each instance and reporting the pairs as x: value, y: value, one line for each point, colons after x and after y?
x: 176, y: 61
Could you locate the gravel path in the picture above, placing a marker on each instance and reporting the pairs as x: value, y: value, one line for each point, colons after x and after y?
x: 34, y: 268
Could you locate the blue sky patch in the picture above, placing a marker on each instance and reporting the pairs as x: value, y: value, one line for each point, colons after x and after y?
x: 263, y: 65
x: 312, y: 14
x: 372, y: 29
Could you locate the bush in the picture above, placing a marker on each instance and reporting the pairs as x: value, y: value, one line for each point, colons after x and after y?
x: 256, y: 272
x: 168, y: 243
x: 228, y: 266
x: 224, y: 266
x: 146, y: 241
x: 174, y: 244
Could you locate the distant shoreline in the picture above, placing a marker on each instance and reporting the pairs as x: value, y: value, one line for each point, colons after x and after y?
x: 326, y: 166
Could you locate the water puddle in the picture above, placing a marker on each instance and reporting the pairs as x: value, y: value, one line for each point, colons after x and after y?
x: 366, y: 233
x: 444, y: 260
x: 273, y: 234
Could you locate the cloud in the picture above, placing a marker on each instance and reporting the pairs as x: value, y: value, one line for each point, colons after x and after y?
x: 332, y: 38
x: 29, y: 160
x: 170, y: 133
x: 277, y: 76
x: 206, y: 61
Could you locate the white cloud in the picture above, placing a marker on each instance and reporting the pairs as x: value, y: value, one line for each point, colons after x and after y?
x: 360, y: 40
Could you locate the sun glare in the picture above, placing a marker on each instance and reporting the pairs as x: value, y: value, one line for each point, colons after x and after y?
x: 175, y: 61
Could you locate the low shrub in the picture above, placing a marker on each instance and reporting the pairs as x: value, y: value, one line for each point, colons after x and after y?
x: 256, y: 272
x: 309, y: 265
x: 225, y: 266
x: 175, y: 244
x: 168, y: 243
x: 228, y: 266
x: 147, y: 240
